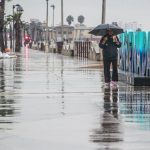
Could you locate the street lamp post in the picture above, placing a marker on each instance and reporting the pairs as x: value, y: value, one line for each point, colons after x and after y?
x: 103, y: 11
x: 62, y: 21
x: 46, y: 42
x: 53, y: 6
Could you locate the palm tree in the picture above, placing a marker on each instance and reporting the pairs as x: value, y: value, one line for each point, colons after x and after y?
x: 2, y: 6
x: 70, y: 19
x: 34, y: 30
x: 9, y: 20
x: 39, y: 31
x: 2, y: 25
x: 17, y: 27
x: 5, y: 30
x: 5, y: 34
x: 81, y: 19
x: 138, y: 30
x: 25, y: 27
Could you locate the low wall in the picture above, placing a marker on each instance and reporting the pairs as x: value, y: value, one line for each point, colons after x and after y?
x: 95, y: 52
x: 68, y: 49
x: 83, y: 49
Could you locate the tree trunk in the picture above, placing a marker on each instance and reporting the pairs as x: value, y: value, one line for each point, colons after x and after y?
x: 10, y: 29
x: 40, y: 36
x: 5, y: 37
x: 17, y: 29
x: 2, y: 7
x: 68, y: 34
x: 35, y: 35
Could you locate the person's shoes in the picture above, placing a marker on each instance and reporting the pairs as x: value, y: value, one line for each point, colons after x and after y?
x: 114, y: 84
x: 107, y: 85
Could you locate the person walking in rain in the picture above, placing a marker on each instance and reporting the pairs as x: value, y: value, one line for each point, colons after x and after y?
x: 110, y: 44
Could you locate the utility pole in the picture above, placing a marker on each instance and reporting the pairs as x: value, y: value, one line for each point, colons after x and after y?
x: 103, y: 11
x: 52, y: 34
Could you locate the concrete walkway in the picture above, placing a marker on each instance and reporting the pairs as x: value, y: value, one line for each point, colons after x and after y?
x: 53, y: 102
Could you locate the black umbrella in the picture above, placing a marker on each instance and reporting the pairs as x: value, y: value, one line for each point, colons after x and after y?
x: 101, y: 29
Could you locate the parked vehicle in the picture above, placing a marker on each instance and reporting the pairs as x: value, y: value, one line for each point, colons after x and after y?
x: 27, y: 40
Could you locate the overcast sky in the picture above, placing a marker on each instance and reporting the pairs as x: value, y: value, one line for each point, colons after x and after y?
x: 117, y: 10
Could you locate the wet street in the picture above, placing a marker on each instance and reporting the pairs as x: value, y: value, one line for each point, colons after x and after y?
x: 55, y: 102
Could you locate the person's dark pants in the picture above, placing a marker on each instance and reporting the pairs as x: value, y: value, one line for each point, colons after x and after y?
x: 107, y: 74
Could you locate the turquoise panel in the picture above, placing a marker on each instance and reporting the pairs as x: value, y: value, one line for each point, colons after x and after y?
x: 125, y: 51
x: 137, y: 53
x: 148, y: 55
x: 130, y: 51
x: 134, y: 54
x: 142, y: 51
x: 121, y: 57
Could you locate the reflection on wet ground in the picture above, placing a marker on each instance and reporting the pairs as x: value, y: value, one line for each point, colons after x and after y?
x: 109, y: 130
x: 135, y: 106
x: 50, y: 101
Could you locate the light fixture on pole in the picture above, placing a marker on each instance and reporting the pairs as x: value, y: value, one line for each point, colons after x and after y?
x: 20, y: 9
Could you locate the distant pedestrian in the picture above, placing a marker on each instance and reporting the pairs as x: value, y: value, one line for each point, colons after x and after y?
x: 110, y: 44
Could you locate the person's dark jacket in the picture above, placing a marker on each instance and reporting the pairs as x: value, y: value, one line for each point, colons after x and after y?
x: 110, y: 50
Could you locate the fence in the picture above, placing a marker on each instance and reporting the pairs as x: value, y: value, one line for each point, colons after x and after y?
x: 82, y: 48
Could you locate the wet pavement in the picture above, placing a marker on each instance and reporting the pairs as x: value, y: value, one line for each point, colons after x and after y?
x: 50, y: 101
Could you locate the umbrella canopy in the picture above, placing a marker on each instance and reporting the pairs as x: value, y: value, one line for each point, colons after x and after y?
x: 101, y: 29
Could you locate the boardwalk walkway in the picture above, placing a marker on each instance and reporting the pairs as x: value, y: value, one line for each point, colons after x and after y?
x: 53, y: 102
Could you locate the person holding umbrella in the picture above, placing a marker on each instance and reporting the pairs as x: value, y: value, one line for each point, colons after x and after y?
x: 110, y: 44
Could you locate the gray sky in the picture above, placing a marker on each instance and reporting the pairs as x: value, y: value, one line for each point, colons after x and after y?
x: 117, y: 10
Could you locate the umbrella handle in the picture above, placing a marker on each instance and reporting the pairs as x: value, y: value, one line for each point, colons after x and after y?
x: 117, y: 39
